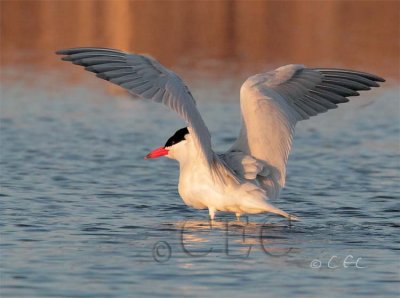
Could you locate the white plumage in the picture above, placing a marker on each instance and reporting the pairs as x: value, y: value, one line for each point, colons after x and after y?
x: 253, y: 170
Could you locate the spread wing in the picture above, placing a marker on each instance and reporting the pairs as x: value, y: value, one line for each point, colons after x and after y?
x: 273, y: 102
x: 145, y: 77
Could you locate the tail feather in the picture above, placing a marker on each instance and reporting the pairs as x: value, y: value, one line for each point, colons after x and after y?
x: 255, y: 206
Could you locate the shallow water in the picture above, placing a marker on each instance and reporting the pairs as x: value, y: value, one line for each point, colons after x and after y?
x: 83, y: 215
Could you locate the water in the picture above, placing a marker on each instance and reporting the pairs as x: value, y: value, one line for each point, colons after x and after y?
x: 83, y: 215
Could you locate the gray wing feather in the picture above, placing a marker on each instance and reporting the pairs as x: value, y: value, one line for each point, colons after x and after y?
x: 273, y: 102
x: 145, y: 77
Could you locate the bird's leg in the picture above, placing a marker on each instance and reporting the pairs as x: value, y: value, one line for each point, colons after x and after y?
x: 211, y: 212
x: 238, y: 216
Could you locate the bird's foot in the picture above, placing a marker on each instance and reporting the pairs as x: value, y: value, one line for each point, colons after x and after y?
x: 292, y: 217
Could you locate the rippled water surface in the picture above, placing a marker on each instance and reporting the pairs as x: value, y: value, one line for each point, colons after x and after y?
x: 83, y: 215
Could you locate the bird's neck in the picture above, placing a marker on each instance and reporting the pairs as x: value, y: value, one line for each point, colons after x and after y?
x: 190, y: 158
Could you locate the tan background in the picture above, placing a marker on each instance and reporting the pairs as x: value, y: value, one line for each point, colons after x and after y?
x: 358, y: 34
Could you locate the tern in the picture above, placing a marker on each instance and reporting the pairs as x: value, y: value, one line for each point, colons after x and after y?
x: 252, y: 172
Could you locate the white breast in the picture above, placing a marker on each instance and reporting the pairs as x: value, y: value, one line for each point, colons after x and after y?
x: 200, y: 188
x: 196, y: 186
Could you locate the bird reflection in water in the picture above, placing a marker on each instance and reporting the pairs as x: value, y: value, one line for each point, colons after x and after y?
x: 236, y: 239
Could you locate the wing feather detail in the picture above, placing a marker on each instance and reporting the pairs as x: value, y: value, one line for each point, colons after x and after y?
x: 273, y: 102
x: 145, y: 77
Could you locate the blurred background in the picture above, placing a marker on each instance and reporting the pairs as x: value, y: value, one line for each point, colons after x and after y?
x: 230, y: 35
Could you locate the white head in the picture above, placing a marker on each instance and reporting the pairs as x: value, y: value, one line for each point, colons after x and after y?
x: 177, y: 146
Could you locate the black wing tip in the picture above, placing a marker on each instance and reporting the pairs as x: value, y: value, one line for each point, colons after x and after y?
x: 66, y: 53
x: 66, y: 58
x: 70, y: 51
x: 367, y: 75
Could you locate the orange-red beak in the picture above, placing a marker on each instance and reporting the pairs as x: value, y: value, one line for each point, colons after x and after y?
x: 157, y: 153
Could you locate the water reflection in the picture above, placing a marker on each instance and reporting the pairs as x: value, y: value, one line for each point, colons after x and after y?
x: 200, y: 238
x: 84, y: 215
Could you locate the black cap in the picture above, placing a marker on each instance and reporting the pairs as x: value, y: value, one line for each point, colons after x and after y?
x: 177, y: 137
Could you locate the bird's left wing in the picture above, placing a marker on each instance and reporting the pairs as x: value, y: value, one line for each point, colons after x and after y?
x: 273, y: 102
x: 145, y: 77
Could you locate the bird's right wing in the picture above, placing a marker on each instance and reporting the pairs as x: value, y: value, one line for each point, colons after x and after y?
x: 146, y: 77
x: 273, y: 102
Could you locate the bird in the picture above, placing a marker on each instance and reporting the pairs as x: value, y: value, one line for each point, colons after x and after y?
x: 252, y: 172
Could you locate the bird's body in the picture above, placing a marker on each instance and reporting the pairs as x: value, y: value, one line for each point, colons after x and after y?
x: 217, y: 188
x: 253, y: 170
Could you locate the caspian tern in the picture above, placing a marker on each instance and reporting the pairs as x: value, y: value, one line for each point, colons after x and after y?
x: 253, y: 170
